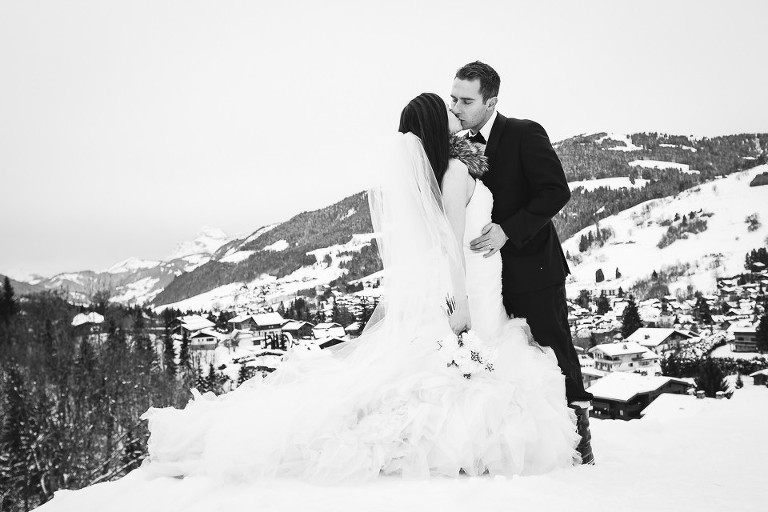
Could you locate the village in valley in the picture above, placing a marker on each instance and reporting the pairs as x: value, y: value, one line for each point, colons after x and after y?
x: 631, y: 351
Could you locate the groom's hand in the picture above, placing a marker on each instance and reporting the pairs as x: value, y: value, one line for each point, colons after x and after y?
x: 491, y: 239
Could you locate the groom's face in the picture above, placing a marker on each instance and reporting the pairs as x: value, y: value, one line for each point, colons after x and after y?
x: 468, y: 105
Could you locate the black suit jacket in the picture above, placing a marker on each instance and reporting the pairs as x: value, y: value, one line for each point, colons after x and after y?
x: 529, y: 187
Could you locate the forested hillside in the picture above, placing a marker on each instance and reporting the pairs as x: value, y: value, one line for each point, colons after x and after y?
x: 584, y: 157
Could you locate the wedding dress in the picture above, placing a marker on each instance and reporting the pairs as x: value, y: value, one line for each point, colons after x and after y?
x: 387, y: 403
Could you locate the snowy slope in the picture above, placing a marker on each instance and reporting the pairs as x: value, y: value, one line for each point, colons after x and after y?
x: 612, y: 183
x: 207, y: 241
x: 708, y: 459
x: 271, y: 289
x: 718, y: 251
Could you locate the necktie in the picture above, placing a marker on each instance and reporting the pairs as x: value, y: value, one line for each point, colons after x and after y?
x: 478, y: 138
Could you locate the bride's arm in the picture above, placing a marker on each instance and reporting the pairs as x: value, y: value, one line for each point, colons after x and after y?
x: 457, y: 188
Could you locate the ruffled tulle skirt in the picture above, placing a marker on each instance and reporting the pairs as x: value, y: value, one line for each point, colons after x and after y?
x: 329, y: 419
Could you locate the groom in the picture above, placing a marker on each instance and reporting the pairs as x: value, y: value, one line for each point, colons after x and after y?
x: 529, y: 188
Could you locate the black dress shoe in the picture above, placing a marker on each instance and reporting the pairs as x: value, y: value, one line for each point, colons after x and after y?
x: 582, y: 427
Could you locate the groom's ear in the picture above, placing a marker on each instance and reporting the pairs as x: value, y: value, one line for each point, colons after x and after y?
x: 492, y: 103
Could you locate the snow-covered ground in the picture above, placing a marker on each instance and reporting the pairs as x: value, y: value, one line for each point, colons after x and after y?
x: 612, y: 183
x: 679, y: 146
x: 704, y: 456
x: 138, y: 291
x: 620, y: 137
x: 720, y: 250
x: 236, y: 257
x: 659, y: 164
x: 725, y: 351
x: 278, y: 246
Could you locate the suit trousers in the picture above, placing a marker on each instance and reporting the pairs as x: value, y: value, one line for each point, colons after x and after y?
x: 546, y: 312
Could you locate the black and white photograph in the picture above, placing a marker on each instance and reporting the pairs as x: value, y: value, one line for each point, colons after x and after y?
x: 401, y: 256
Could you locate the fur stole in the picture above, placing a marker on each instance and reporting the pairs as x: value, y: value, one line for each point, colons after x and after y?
x: 470, y: 153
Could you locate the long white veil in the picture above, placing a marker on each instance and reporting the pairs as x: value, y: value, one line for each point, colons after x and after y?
x: 297, y: 421
x: 421, y: 256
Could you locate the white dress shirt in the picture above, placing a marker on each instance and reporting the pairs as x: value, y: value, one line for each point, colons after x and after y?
x: 485, y: 130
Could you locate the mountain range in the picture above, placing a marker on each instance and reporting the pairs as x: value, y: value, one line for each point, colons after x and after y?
x: 609, y: 174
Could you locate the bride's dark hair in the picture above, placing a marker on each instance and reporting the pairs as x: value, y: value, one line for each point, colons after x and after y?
x: 426, y: 116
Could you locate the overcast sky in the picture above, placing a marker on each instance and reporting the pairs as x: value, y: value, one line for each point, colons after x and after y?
x: 127, y: 126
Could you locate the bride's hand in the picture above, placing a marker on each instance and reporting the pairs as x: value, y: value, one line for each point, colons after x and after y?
x: 459, y: 320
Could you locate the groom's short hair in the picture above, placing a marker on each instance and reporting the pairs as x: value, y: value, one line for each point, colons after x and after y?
x: 489, y: 78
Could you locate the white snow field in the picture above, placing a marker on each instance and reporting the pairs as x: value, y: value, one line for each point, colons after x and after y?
x: 718, y: 251
x: 611, y: 183
x: 709, y: 457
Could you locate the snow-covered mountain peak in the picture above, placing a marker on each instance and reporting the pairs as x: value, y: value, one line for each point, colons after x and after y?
x: 131, y: 265
x: 207, y: 241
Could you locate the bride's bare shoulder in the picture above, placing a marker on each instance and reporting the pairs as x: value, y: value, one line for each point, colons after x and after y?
x: 457, y: 169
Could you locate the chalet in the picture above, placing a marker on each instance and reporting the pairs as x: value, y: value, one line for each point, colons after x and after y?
x: 660, y: 340
x: 205, y: 339
x: 298, y: 329
x: 354, y: 329
x: 242, y: 322
x: 190, y: 324
x: 760, y: 377
x: 623, y: 396
x: 327, y: 330
x: 262, y: 324
x: 87, y: 323
x: 744, y: 337
x: 624, y: 357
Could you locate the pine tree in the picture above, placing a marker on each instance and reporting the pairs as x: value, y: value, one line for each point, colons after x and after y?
x: 761, y: 334
x: 599, y: 276
x: 212, y: 379
x: 242, y: 374
x: 201, y: 383
x: 169, y: 355
x: 630, y: 320
x: 184, y: 351
x: 592, y: 340
x: 702, y: 312
x: 711, y: 378
x: 15, y: 439
x: 603, y: 305
x: 670, y: 366
x: 8, y: 306
x: 583, y: 243
x: 620, y: 293
x: 618, y: 274
x: 133, y: 452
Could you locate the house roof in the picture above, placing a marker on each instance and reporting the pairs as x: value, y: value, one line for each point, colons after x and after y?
x: 295, y: 325
x: 207, y: 333
x: 268, y: 319
x: 623, y: 387
x: 653, y: 336
x: 327, y: 325
x: 669, y: 406
x: 618, y: 349
x: 195, y: 322
x: 89, y: 318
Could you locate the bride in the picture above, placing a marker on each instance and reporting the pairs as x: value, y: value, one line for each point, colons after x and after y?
x: 440, y: 382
